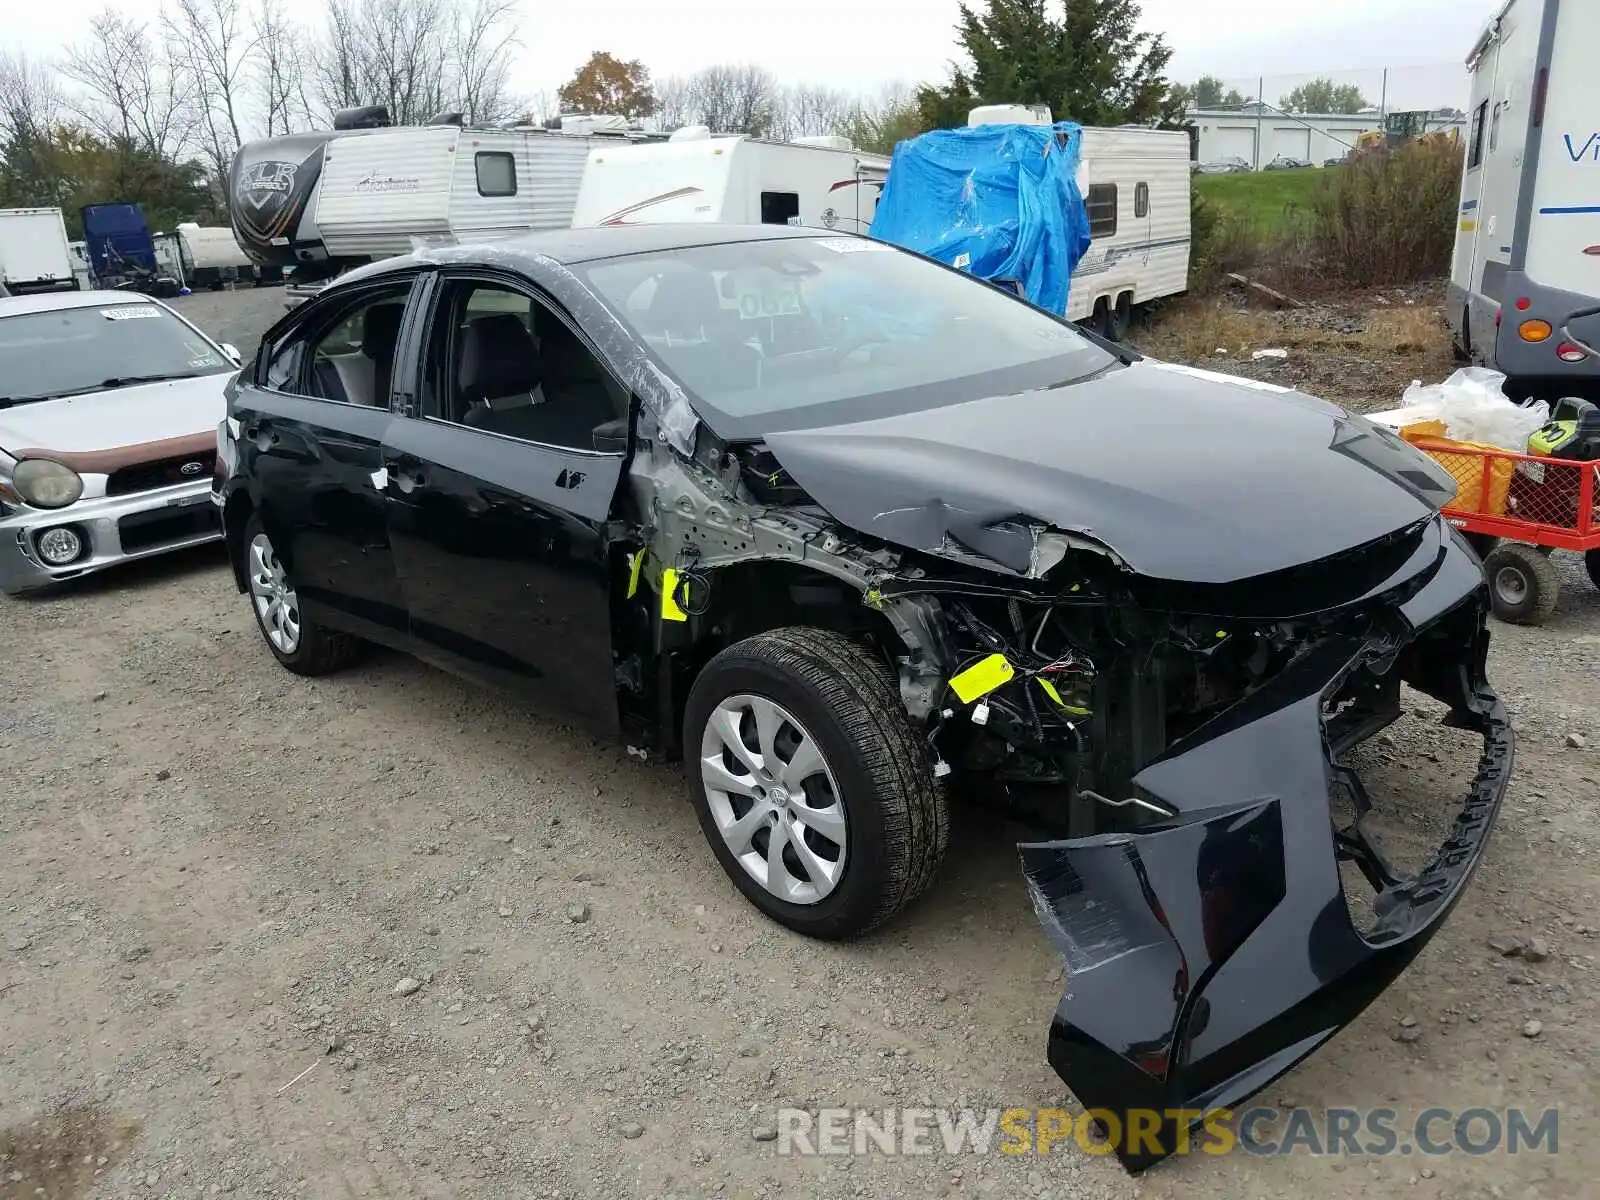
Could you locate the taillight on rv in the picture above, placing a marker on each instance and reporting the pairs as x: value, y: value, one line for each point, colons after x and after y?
x: 1535, y: 331
x: 1567, y: 352
x: 1524, y: 304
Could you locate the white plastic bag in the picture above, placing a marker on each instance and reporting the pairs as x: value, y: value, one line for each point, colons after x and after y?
x: 1474, y: 408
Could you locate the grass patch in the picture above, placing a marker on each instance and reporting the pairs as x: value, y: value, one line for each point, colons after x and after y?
x: 1267, y: 202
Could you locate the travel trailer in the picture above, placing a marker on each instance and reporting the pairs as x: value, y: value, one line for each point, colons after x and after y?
x: 1135, y: 184
x: 324, y: 201
x: 697, y: 177
x: 34, y: 253
x: 1524, y: 292
x: 212, y: 257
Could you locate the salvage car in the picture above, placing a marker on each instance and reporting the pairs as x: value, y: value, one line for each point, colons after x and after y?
x: 109, y: 403
x: 845, y: 528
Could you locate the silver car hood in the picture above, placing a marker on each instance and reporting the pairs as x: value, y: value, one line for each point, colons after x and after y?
x: 128, y: 416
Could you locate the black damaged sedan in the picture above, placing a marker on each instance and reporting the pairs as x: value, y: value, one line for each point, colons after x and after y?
x: 847, y: 530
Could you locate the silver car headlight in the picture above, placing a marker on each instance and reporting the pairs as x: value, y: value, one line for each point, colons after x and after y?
x: 45, y: 483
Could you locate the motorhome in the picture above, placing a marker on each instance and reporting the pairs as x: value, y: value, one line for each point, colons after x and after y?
x: 1135, y: 184
x: 697, y: 177
x: 34, y: 253
x: 323, y: 201
x: 1524, y: 293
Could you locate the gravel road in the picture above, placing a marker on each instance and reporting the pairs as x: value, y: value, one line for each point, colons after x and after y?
x: 383, y: 934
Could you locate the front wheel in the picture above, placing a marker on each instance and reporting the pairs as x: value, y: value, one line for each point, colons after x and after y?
x: 303, y: 646
x: 816, y: 794
x: 1523, y: 583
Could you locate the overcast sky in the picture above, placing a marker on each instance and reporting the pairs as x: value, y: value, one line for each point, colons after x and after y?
x: 863, y: 44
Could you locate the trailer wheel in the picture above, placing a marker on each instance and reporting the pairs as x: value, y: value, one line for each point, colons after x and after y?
x: 1100, y: 322
x: 1523, y: 583
x: 1119, y: 318
x: 1591, y: 560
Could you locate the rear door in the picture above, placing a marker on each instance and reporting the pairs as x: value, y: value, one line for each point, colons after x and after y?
x: 498, y: 502
x: 311, y: 422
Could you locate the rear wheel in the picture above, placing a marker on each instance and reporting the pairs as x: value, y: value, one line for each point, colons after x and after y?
x: 1100, y: 321
x: 815, y: 793
x: 1523, y: 583
x: 303, y: 646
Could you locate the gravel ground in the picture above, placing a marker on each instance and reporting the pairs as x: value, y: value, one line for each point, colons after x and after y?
x: 383, y: 934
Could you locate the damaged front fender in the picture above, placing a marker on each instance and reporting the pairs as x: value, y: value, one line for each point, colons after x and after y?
x: 1209, y: 953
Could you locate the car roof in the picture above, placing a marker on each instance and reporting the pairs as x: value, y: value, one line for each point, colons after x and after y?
x: 16, y: 306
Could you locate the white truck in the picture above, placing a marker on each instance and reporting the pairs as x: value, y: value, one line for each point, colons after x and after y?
x: 1524, y: 295
x: 696, y: 177
x: 34, y: 254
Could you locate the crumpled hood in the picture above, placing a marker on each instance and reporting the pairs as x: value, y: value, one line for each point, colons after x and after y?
x: 1184, y: 474
x: 151, y: 412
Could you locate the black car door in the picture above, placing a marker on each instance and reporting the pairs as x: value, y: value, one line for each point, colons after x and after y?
x: 498, y: 500
x: 310, y: 432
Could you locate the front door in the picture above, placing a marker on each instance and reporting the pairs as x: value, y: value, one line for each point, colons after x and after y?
x: 498, y: 501
x: 311, y: 430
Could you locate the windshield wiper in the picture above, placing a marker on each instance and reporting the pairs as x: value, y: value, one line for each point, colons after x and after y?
x: 121, y: 381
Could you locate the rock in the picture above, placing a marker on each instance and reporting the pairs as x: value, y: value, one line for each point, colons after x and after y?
x: 1408, y: 1036
x: 97, y: 697
x: 1576, y: 741
x: 18, y: 942
x: 408, y: 986
x: 505, y: 912
x: 504, y: 839
x: 578, y: 913
x: 765, y: 1133
x: 1532, y: 1029
x: 1506, y: 944
x: 1408, y: 1022
x: 1537, y: 950
x: 631, y: 1129
x: 163, y: 775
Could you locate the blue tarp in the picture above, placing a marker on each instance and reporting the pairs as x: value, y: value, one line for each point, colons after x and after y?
x: 999, y: 201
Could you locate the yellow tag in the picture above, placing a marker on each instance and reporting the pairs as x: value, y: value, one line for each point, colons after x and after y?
x: 1050, y: 690
x: 669, y: 597
x: 635, y: 564
x: 982, y: 678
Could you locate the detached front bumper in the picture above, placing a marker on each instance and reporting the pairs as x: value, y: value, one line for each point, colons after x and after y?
x: 1210, y: 953
x: 113, y: 529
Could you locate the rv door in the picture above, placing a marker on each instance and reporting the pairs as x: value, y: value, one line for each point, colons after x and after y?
x: 870, y: 179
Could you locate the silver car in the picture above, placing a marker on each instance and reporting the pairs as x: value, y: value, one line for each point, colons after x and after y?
x: 109, y: 405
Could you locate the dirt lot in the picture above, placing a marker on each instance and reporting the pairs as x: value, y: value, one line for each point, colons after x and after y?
x: 215, y: 875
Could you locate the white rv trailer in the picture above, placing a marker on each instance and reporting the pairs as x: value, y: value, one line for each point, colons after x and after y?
x: 1524, y: 293
x: 34, y: 251
x: 212, y: 256
x: 1135, y: 184
x: 696, y: 177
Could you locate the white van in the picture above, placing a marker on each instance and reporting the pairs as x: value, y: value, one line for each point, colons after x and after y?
x: 1524, y: 293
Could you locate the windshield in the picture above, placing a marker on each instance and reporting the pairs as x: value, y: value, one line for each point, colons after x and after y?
x: 62, y: 351
x: 800, y: 332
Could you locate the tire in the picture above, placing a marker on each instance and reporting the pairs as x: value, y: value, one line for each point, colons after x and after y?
x: 1523, y: 583
x: 313, y: 650
x: 1461, y: 346
x: 874, y: 771
x: 1483, y: 544
x: 1119, y: 318
x: 1591, y: 562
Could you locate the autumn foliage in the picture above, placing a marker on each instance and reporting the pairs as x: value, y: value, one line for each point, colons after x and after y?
x: 606, y: 84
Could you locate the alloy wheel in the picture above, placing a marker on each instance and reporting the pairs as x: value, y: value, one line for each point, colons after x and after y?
x: 774, y: 799
x: 277, y: 606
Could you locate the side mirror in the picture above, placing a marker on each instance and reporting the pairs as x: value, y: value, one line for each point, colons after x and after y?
x: 232, y: 352
x: 612, y: 436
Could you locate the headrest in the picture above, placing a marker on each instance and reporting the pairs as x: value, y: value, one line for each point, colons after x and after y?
x: 685, y: 302
x: 380, y: 329
x: 498, y: 358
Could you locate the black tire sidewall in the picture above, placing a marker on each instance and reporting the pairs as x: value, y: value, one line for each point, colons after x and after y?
x: 1591, y: 563
x: 1538, y: 575
x: 854, y: 901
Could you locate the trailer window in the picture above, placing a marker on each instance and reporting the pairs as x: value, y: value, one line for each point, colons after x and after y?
x: 497, y: 173
x: 1141, y: 201
x: 778, y: 207
x: 1102, y: 205
x: 1475, y: 150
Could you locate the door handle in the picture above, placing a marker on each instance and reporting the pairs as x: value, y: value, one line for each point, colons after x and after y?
x: 408, y: 479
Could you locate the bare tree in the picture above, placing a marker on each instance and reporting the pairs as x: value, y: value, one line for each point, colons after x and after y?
x: 675, y: 103
x: 209, y: 42
x: 279, y: 79
x: 801, y: 110
x: 485, y: 38
x: 130, y: 93
x: 30, y: 110
x: 734, y: 98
